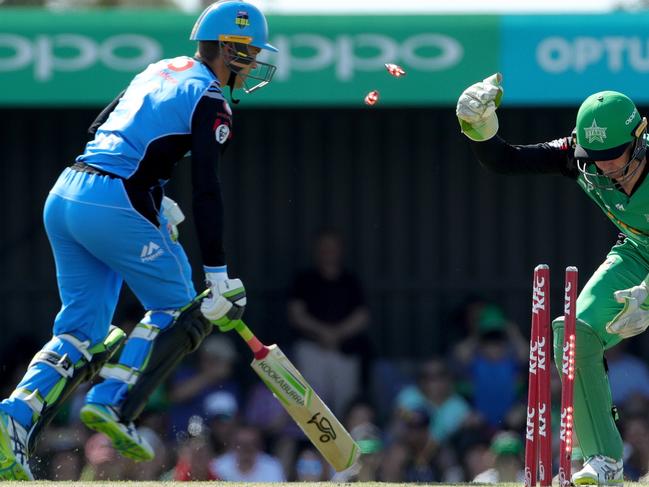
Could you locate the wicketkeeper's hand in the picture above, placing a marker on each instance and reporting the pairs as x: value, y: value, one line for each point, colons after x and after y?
x: 476, y: 108
x: 634, y: 317
x: 226, y: 303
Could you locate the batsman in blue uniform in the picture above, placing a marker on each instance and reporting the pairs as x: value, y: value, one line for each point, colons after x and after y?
x: 108, y: 222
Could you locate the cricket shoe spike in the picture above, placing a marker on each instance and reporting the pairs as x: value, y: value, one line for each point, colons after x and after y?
x: 125, y: 437
x: 14, y: 460
x: 600, y: 470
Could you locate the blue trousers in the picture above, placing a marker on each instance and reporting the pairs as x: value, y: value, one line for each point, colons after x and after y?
x: 100, y: 240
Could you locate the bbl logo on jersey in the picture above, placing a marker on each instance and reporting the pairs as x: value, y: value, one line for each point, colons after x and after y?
x: 242, y: 19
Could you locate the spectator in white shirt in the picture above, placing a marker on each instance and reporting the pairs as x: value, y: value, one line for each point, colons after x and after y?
x: 246, y: 462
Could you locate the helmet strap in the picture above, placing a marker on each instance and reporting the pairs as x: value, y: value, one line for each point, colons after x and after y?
x: 231, y: 80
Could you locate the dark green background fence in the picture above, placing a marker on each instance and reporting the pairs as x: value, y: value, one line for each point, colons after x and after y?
x: 425, y: 225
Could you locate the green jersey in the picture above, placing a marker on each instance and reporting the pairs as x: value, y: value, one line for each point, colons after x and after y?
x: 630, y: 213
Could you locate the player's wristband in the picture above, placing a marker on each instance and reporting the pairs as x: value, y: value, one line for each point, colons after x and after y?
x: 216, y: 273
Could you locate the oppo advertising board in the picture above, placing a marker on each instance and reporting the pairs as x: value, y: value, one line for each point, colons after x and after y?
x: 86, y: 58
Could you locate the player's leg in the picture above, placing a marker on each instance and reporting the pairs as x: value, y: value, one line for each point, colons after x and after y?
x: 80, y: 345
x: 598, y: 436
x: 157, y: 270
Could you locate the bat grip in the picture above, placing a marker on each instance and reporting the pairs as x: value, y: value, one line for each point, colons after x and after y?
x: 259, y: 349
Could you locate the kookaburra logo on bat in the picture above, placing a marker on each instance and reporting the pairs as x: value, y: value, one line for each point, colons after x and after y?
x: 324, y: 425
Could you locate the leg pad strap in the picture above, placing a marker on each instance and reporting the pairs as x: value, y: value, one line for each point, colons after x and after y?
x: 169, y: 347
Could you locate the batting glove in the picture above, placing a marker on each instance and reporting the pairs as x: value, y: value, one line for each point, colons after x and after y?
x: 634, y: 317
x: 476, y: 108
x: 226, y: 302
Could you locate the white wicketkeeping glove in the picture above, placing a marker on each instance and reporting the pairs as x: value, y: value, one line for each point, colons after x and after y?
x: 174, y: 215
x: 476, y: 108
x: 634, y: 317
x: 226, y: 303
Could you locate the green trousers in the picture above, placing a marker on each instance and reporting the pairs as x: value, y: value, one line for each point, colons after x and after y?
x: 625, y: 266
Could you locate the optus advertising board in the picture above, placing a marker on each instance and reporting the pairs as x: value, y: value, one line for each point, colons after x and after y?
x: 552, y: 59
x: 86, y: 58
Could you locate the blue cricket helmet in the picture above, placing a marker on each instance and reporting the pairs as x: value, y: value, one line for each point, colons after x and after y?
x: 233, y: 21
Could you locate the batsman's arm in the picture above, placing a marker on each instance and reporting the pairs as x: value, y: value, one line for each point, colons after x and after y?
x: 206, y: 187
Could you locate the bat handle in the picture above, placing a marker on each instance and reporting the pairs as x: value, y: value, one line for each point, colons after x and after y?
x: 259, y: 349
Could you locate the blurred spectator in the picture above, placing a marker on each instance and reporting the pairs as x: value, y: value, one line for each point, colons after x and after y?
x: 221, y: 415
x: 411, y: 458
x: 627, y: 374
x: 62, y: 451
x: 493, y: 361
x: 470, y: 443
x: 475, y: 460
x: 310, y: 466
x: 434, y: 392
x: 359, y: 412
x: 506, y: 449
x: 194, y: 455
x: 280, y: 432
x: 191, y: 384
x: 246, y: 462
x: 102, y: 461
x: 153, y: 469
x: 327, y: 308
x: 463, y: 321
x: 369, y: 439
x: 635, y: 429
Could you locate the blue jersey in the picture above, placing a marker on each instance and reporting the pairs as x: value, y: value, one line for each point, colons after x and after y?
x: 174, y: 107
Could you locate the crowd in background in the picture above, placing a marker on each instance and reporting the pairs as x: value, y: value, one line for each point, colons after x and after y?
x: 454, y: 418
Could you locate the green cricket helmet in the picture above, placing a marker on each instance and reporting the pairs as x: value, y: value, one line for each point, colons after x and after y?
x: 607, y: 123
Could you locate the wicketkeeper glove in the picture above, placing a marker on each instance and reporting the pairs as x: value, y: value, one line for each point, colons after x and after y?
x: 634, y: 317
x: 226, y: 303
x: 476, y: 108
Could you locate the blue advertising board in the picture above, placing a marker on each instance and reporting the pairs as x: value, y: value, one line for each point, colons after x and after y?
x: 561, y: 59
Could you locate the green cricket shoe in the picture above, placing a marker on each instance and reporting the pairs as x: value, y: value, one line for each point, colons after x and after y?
x: 125, y: 437
x: 14, y: 459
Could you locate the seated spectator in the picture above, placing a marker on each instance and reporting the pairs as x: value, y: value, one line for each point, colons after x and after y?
x: 635, y: 429
x: 412, y: 456
x: 246, y: 462
x: 434, y: 392
x: 221, y: 412
x: 493, y: 363
x: 191, y: 384
x: 310, y: 466
x: 507, y: 450
x: 194, y: 455
x: 281, y: 434
x: 471, y: 443
x: 62, y: 451
x: 328, y: 311
x: 153, y: 469
x: 103, y: 462
x: 627, y: 374
x: 368, y: 469
x: 359, y: 412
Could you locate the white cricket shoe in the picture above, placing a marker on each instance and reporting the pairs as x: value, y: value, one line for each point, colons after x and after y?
x: 600, y: 470
x: 14, y: 461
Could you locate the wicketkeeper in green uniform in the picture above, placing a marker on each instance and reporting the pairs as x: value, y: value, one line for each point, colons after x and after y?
x: 606, y: 156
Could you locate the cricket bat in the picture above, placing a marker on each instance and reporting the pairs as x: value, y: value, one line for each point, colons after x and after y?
x: 300, y: 401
